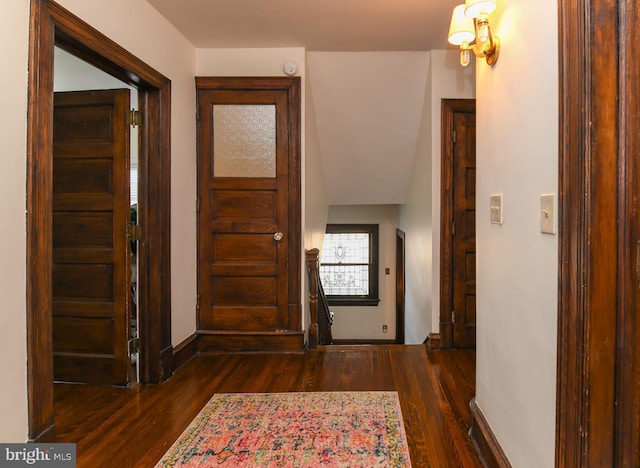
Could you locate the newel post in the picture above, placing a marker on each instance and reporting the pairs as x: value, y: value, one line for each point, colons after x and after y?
x: 313, y: 271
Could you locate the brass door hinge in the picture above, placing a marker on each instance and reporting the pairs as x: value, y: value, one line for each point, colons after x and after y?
x: 134, y: 232
x: 134, y: 345
x: 453, y: 317
x: 134, y: 118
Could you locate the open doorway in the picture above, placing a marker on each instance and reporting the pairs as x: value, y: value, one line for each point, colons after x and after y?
x: 50, y: 26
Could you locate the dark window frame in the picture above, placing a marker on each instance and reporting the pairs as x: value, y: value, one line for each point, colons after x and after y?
x: 371, y: 299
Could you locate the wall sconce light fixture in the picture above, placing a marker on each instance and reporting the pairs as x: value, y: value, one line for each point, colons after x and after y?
x: 471, y: 31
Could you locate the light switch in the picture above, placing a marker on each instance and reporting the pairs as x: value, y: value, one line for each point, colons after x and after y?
x: 495, y: 205
x: 548, y: 213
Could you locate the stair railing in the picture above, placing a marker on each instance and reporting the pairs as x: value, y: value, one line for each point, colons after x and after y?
x: 321, y: 316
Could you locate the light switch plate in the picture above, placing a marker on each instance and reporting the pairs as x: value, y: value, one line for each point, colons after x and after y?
x: 495, y: 205
x: 548, y: 213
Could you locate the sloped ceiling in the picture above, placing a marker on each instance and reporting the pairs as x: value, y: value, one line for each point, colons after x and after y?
x: 367, y: 70
x: 368, y: 108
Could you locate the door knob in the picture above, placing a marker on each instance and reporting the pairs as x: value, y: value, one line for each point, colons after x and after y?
x: 278, y: 236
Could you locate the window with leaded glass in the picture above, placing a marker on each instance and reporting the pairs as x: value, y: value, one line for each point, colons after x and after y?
x: 349, y: 264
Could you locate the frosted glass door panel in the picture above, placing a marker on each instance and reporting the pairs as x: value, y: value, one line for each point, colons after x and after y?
x: 244, y: 140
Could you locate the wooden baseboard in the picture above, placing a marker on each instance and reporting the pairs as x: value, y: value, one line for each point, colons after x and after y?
x: 484, y: 440
x: 46, y: 436
x: 433, y: 341
x: 166, y: 363
x: 363, y: 342
x: 185, y: 352
x: 250, y: 342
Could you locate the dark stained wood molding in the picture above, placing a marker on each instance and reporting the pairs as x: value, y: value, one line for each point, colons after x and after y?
x: 185, y: 352
x: 598, y: 400
x: 250, y: 342
x: 363, y: 342
x: 313, y: 268
x: 573, y: 138
x: 295, y: 203
x: 433, y: 341
x: 39, y: 247
x: 628, y: 388
x: 52, y: 25
x: 449, y: 108
x: 484, y: 440
x: 44, y: 437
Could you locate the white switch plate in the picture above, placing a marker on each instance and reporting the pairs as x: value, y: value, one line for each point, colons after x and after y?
x: 495, y: 205
x: 548, y: 213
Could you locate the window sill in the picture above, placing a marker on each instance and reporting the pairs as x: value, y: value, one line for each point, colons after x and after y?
x: 353, y: 302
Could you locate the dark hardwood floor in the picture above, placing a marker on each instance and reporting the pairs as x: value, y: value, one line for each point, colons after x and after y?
x: 115, y: 427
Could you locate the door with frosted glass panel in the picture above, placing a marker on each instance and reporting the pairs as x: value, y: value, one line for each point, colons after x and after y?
x: 249, y: 215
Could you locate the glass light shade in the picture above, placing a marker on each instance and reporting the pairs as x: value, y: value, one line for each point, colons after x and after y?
x: 462, y: 28
x: 483, y: 31
x: 465, y: 56
x: 474, y: 8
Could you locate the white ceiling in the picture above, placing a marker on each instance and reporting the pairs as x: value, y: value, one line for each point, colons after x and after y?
x: 366, y: 75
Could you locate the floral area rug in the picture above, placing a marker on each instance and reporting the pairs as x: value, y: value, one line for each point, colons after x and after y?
x: 317, y: 429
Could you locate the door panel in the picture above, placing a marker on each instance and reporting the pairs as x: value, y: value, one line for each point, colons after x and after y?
x: 464, y: 239
x: 246, y: 145
x: 90, y: 273
x: 458, y: 225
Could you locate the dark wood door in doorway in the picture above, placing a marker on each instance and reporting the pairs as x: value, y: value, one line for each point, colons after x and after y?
x: 249, y: 221
x: 90, y: 274
x: 458, y: 239
x: 401, y: 286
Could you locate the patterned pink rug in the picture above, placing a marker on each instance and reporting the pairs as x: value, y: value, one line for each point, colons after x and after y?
x: 322, y: 429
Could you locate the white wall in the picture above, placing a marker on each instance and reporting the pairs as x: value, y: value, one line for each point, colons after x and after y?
x: 415, y: 220
x: 365, y: 323
x: 316, y: 209
x: 368, y: 113
x: 14, y: 34
x: 420, y: 216
x: 517, y: 155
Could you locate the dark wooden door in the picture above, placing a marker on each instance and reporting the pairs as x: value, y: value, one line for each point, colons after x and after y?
x: 248, y: 225
x: 90, y: 274
x: 458, y: 226
x: 400, y: 286
x: 464, y: 235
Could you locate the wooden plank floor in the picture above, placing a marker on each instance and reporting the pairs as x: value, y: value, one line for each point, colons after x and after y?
x: 133, y: 427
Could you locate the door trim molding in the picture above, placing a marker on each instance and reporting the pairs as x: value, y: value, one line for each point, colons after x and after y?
x: 597, y: 398
x: 52, y: 25
x: 449, y: 108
